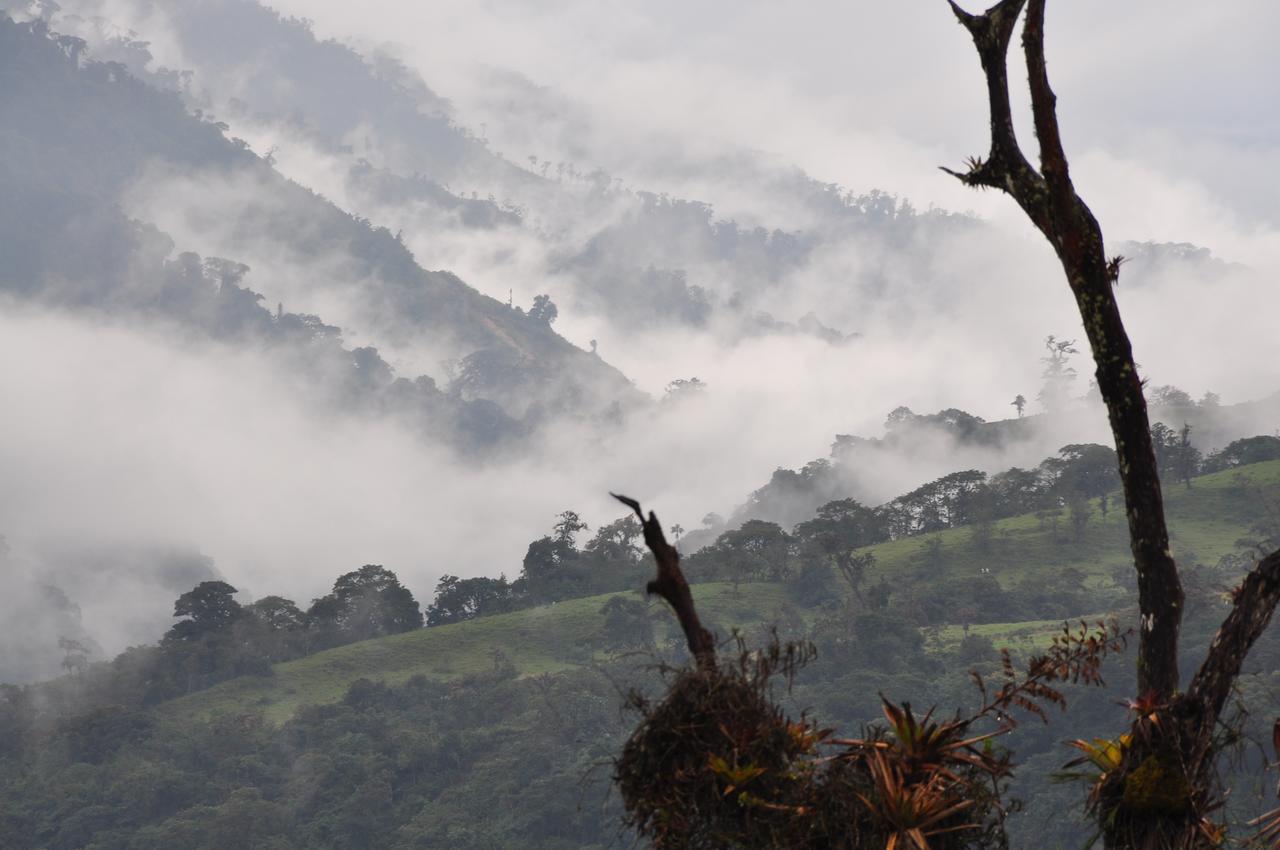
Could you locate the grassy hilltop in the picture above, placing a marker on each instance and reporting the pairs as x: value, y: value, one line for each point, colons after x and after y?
x: 1205, y: 521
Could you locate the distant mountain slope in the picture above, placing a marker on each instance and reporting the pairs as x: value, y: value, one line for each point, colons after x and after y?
x: 630, y: 259
x: 76, y: 135
x: 254, y: 61
x: 634, y: 258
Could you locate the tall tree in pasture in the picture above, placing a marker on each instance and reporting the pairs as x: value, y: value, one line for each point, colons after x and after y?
x: 552, y: 568
x: 276, y: 627
x: 756, y: 550
x: 1164, y: 443
x: 1086, y: 468
x: 1188, y: 458
x: 840, y: 529
x: 277, y: 613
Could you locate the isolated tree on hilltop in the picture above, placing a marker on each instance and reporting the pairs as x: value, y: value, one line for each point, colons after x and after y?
x: 758, y: 549
x: 366, y: 603
x: 543, y: 310
x: 278, y: 614
x: 552, y: 568
x: 567, y: 526
x: 1058, y: 374
x: 459, y: 599
x: 207, y: 608
x: 1085, y: 468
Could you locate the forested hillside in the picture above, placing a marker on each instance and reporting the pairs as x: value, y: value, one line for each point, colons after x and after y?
x: 80, y: 134
x: 499, y: 730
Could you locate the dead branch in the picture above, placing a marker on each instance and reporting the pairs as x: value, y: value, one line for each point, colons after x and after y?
x: 671, y: 585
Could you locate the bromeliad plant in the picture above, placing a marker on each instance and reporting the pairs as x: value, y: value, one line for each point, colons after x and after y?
x: 931, y: 782
x: 1138, y: 785
x: 717, y: 763
x: 1164, y: 789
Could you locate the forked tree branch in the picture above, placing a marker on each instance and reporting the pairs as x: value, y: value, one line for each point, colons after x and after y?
x: 1005, y: 168
x: 1255, y: 601
x: 1044, y: 107
x: 1052, y: 204
x: 671, y: 585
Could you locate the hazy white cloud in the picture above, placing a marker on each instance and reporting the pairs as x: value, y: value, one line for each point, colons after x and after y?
x: 120, y: 436
x: 866, y: 94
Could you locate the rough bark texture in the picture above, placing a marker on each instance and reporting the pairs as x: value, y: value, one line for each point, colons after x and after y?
x: 1255, y: 601
x: 1174, y: 732
x: 671, y: 585
x: 1050, y: 201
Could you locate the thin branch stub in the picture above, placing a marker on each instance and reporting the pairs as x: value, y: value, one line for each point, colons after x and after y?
x: 670, y: 584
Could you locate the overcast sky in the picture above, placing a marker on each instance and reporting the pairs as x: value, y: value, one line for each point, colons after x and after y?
x: 1169, y: 109
x: 1169, y: 114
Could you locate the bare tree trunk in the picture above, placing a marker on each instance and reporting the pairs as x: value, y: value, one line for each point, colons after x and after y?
x: 1255, y: 602
x: 1049, y: 199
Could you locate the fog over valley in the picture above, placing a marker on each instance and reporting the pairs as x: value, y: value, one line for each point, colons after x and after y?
x: 329, y: 330
x: 709, y: 229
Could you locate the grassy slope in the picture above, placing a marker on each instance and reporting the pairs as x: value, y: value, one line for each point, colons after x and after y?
x: 534, y: 640
x: 1205, y: 524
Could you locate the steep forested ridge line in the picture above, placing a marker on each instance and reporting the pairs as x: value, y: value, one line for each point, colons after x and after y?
x: 77, y: 134
x: 635, y: 259
x: 250, y: 59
